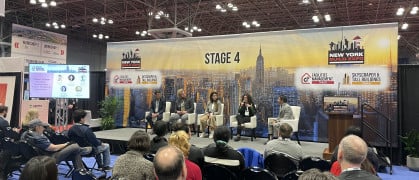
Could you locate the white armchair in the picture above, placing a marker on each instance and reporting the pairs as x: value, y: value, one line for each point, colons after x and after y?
x: 191, y: 121
x: 219, y: 119
x: 293, y: 122
x: 166, y: 115
x: 250, y: 125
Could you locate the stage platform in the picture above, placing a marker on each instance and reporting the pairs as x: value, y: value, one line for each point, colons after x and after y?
x: 118, y: 138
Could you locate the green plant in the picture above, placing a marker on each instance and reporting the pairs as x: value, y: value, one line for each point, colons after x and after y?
x: 411, y: 143
x: 109, y: 107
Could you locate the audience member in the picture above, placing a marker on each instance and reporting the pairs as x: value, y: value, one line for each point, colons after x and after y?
x: 35, y: 136
x: 285, y: 112
x: 195, y: 153
x: 132, y: 164
x: 246, y: 110
x: 40, y: 168
x: 221, y: 153
x: 183, y: 106
x: 158, y: 106
x: 31, y: 114
x: 208, y: 119
x: 284, y: 144
x: 371, y: 155
x: 180, y: 139
x: 169, y: 164
x: 315, y: 174
x: 3, y: 122
x: 160, y: 129
x: 366, y: 165
x: 84, y: 136
x: 352, y: 152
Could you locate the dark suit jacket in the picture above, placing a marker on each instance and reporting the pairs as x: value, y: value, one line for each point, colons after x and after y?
x: 189, y: 106
x: 4, y: 123
x: 162, y: 106
x: 357, y: 175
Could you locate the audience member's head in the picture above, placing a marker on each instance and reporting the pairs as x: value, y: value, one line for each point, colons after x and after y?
x: 352, y: 151
x: 139, y: 141
x: 214, y: 97
x: 247, y: 98
x: 169, y: 164
x: 157, y: 94
x: 37, y: 125
x: 31, y: 114
x: 79, y: 115
x: 160, y: 128
x: 3, y: 110
x: 354, y: 130
x: 181, y: 140
x: 179, y: 126
x: 40, y: 168
x: 315, y: 174
x: 181, y: 94
x: 221, y: 137
x: 285, y: 130
x: 283, y: 99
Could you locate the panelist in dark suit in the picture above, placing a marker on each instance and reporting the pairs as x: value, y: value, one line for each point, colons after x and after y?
x: 158, y: 105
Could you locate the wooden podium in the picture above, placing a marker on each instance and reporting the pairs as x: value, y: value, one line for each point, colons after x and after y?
x: 336, y: 127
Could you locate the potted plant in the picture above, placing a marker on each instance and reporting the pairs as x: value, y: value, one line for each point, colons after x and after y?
x: 109, y: 107
x: 411, y: 146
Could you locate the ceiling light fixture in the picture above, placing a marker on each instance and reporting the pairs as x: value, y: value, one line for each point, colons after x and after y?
x: 327, y: 17
x: 102, y: 21
x: 306, y: 2
x: 158, y: 14
x: 100, y: 36
x: 44, y: 3
x: 55, y: 25
x: 414, y: 10
x: 315, y: 18
x: 253, y: 23
x: 405, y: 26
x: 224, y: 7
x: 400, y: 11
x: 142, y: 33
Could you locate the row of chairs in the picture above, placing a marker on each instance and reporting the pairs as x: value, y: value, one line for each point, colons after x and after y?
x: 193, y: 117
x: 276, y: 166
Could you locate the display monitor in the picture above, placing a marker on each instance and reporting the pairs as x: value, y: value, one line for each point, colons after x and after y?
x: 59, y: 81
x: 341, y: 104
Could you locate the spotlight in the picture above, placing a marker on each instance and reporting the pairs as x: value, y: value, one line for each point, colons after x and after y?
x: 404, y: 26
x: 62, y: 26
x: 327, y: 17
x: 95, y: 20
x: 137, y: 32
x: 53, y: 3
x: 47, y: 24
x: 94, y: 36
x: 44, y: 5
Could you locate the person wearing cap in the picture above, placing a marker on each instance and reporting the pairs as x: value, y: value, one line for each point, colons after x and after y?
x: 158, y: 106
x: 35, y: 136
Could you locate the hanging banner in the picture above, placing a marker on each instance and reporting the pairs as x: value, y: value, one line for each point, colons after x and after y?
x: 2, y: 7
x: 304, y: 65
x: 38, y: 46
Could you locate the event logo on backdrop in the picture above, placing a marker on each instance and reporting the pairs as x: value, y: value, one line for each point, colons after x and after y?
x: 131, y: 59
x: 345, y: 52
x: 135, y: 79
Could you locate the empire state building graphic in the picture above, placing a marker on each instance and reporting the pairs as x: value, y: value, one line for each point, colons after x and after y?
x: 260, y: 74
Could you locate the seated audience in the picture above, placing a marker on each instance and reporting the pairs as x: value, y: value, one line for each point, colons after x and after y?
x: 246, y: 110
x: 40, y: 168
x: 180, y: 139
x: 315, y: 174
x: 284, y: 144
x: 221, y: 153
x: 371, y: 155
x: 158, y: 106
x: 352, y: 152
x: 66, y: 151
x: 195, y: 153
x: 169, y: 164
x: 132, y: 164
x: 208, y: 119
x: 285, y: 112
x: 366, y: 165
x: 84, y: 136
x: 160, y: 129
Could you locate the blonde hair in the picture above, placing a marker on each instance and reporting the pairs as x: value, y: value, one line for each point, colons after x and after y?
x: 179, y: 91
x: 31, y: 114
x: 180, y: 139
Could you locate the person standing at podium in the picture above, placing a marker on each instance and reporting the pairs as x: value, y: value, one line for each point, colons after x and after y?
x: 285, y: 112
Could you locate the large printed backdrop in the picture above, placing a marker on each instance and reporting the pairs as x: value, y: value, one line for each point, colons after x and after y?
x: 305, y: 65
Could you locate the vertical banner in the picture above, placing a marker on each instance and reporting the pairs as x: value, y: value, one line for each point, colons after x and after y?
x: 38, y: 46
x: 7, y: 90
x: 304, y: 65
x: 2, y: 7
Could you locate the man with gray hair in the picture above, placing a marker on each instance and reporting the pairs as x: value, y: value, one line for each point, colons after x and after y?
x: 169, y: 164
x: 183, y: 106
x: 352, y: 152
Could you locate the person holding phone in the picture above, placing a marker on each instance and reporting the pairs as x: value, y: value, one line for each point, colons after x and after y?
x: 247, y: 109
